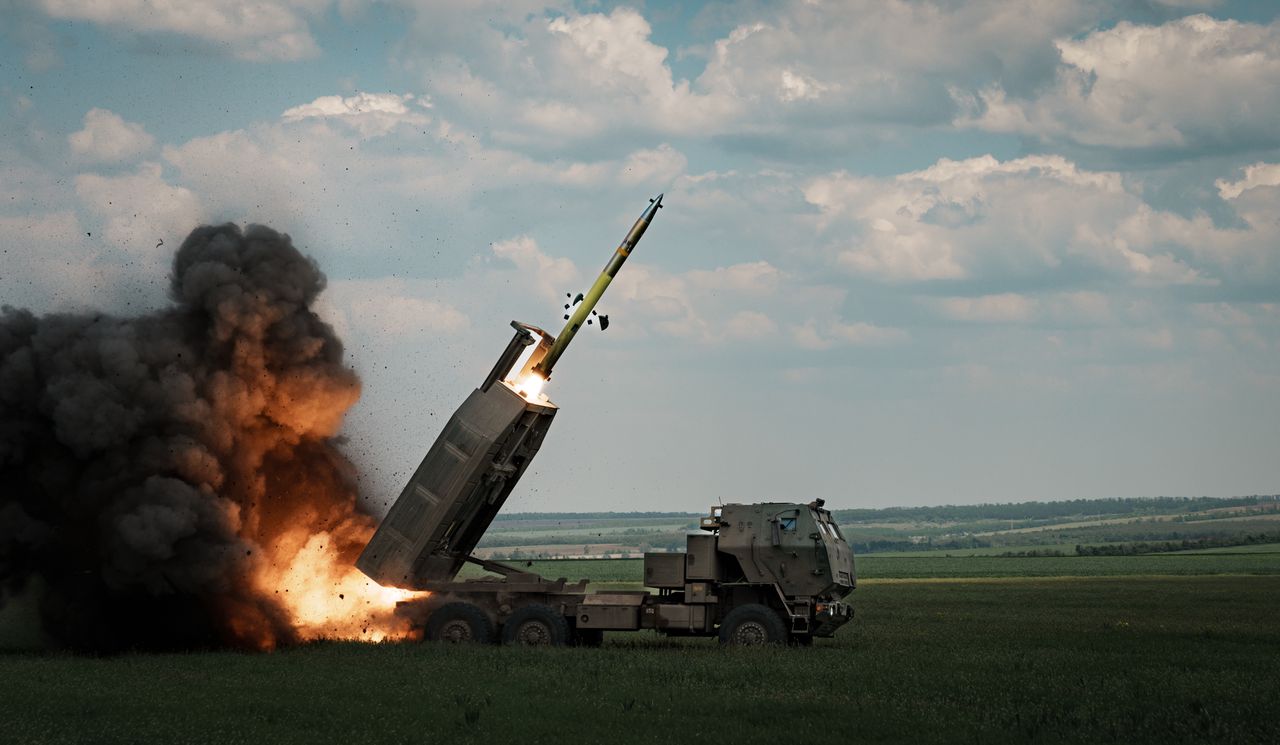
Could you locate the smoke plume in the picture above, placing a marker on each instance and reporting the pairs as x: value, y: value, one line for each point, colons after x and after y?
x: 172, y: 480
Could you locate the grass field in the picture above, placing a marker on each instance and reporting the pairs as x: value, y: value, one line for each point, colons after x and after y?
x: 1101, y: 659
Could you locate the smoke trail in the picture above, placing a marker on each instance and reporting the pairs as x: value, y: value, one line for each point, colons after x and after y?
x: 160, y: 475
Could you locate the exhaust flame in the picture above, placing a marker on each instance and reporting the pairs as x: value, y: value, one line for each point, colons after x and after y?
x: 175, y: 480
x: 328, y: 599
x: 530, y: 386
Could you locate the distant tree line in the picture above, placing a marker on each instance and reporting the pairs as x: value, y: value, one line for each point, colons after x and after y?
x: 877, y: 545
x: 505, y: 516
x: 1136, y: 506
x: 660, y: 539
x: 1159, y: 547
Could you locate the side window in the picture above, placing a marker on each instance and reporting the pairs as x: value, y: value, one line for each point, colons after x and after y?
x: 787, y: 523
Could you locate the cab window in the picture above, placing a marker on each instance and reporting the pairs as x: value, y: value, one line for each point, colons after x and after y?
x: 787, y: 523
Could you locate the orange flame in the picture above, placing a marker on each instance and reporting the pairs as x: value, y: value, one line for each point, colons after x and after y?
x: 324, y: 595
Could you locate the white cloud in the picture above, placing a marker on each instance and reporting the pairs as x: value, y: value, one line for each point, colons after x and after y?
x: 1195, y: 81
x: 47, y: 261
x: 875, y: 61
x: 815, y: 336
x: 1009, y: 307
x: 750, y: 325
x: 551, y: 275
x: 1258, y: 174
x: 248, y: 29
x: 658, y: 166
x: 1068, y: 309
x: 740, y: 303
x: 140, y: 209
x: 990, y: 218
x: 389, y: 308
x: 533, y: 80
x: 371, y: 114
x: 108, y: 138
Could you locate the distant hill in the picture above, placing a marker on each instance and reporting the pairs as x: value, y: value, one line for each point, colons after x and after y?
x: 1071, y: 508
x: 1095, y: 526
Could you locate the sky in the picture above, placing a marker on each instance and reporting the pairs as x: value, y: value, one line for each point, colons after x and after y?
x: 912, y: 252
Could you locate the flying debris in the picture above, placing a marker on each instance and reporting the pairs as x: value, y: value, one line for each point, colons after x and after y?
x: 586, y: 304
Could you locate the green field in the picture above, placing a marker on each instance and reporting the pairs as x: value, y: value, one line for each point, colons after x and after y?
x: 1100, y: 659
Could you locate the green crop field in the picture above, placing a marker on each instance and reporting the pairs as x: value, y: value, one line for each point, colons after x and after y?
x: 1102, y: 659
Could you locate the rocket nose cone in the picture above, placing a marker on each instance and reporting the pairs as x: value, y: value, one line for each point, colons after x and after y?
x: 652, y: 209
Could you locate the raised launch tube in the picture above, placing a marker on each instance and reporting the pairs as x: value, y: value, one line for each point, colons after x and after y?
x: 583, y: 311
x: 479, y: 457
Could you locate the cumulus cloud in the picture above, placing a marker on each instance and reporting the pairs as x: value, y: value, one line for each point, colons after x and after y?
x: 1019, y: 218
x: 249, y: 29
x: 815, y: 336
x: 141, y: 208
x: 1075, y: 308
x: 737, y: 303
x: 535, y: 80
x: 1192, y: 82
x: 108, y: 138
x: 390, y: 308
x: 547, y: 75
x: 551, y: 275
x: 1009, y: 307
x: 1256, y: 175
x: 370, y: 114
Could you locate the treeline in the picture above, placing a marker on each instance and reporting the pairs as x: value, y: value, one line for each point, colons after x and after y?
x: 1141, y: 531
x: 1160, y: 547
x: 879, y: 545
x: 502, y: 517
x: 630, y: 537
x: 1114, y: 507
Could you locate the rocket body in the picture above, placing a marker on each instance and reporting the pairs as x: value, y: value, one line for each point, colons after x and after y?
x: 584, y: 308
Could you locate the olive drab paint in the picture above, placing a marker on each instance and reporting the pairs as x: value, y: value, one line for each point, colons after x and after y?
x: 756, y: 573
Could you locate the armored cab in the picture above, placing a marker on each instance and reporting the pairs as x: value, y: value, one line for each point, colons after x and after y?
x: 467, y: 474
x: 798, y: 547
x: 780, y: 569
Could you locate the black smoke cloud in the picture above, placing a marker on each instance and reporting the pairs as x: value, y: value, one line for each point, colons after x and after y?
x: 147, y: 462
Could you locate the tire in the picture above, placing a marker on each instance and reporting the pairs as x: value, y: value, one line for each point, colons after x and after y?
x: 536, y: 626
x: 752, y: 625
x: 459, y: 623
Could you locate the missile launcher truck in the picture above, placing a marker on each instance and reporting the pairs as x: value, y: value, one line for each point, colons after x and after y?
x: 756, y: 574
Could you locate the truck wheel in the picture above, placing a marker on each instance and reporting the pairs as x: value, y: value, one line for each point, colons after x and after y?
x: 459, y: 623
x: 752, y: 625
x: 536, y: 626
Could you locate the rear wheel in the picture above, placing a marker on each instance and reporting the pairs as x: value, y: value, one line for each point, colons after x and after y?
x: 459, y: 623
x: 536, y: 626
x: 752, y: 625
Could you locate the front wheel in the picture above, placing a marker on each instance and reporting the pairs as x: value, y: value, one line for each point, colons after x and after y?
x: 536, y: 626
x: 752, y: 625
